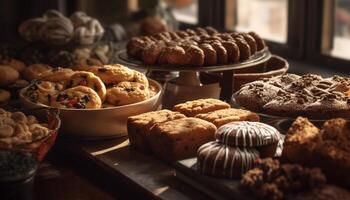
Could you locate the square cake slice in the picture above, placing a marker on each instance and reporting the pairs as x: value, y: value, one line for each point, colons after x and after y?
x: 224, y: 116
x: 193, y: 108
x: 180, y: 138
x: 139, y: 126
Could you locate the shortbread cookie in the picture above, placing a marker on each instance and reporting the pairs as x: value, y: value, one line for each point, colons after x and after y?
x: 90, y: 80
x: 224, y: 116
x: 58, y: 74
x: 179, y: 139
x: 139, y: 126
x: 127, y: 93
x: 79, y: 97
x: 36, y: 71
x: 221, y: 160
x: 8, y: 75
x: 113, y: 74
x: 193, y: 108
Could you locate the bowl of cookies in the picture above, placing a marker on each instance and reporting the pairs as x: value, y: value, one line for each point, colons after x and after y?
x: 26, y: 133
x: 95, y: 101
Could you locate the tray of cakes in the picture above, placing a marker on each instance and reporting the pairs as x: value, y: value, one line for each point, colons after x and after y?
x: 94, y: 101
x: 198, y: 49
x: 228, y: 154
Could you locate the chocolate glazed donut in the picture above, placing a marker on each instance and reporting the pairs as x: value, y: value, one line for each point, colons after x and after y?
x: 260, y: 43
x: 251, y: 41
x: 244, y: 48
x: 194, y: 56
x: 210, y: 57
x: 221, y: 53
x: 233, y: 52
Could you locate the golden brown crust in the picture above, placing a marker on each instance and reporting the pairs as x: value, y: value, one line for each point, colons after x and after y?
x: 36, y: 71
x: 113, y: 74
x: 127, y: 93
x: 224, y: 116
x: 193, y: 108
x: 8, y: 75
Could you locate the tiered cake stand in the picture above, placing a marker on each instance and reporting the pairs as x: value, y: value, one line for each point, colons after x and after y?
x: 189, y: 76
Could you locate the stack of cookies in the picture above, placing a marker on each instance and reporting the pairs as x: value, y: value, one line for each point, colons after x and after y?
x: 175, y: 135
x: 236, y: 148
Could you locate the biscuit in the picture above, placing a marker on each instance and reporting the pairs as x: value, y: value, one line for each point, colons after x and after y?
x: 42, y: 91
x: 8, y: 75
x: 88, y: 79
x: 127, y: 93
x: 140, y: 78
x: 4, y: 96
x: 224, y: 116
x: 36, y: 71
x: 179, y: 139
x: 113, y: 74
x: 15, y: 64
x: 79, y: 97
x: 193, y: 108
x: 139, y: 126
x: 58, y: 74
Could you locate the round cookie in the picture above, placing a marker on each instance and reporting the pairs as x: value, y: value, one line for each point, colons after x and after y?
x: 151, y: 53
x: 244, y: 48
x: 15, y: 64
x: 36, y: 71
x: 88, y: 79
x: 251, y: 42
x: 79, y: 97
x: 247, y: 134
x: 8, y: 75
x: 4, y: 96
x: 194, y: 56
x: 42, y: 91
x: 113, y: 74
x: 233, y: 52
x: 127, y: 93
x: 222, y: 160
x: 58, y: 74
x: 260, y: 43
x: 173, y: 55
x: 140, y: 78
x: 221, y: 53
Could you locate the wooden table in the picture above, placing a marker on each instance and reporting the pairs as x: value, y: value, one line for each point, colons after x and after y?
x: 111, y: 169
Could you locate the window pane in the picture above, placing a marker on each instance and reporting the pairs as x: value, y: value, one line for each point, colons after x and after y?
x: 269, y: 18
x: 340, y: 42
x: 185, y: 10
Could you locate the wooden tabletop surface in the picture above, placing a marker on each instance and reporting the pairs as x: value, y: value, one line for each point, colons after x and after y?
x: 107, y: 169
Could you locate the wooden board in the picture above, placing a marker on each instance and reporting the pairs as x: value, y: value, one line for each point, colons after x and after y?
x: 217, y: 188
x: 142, y: 173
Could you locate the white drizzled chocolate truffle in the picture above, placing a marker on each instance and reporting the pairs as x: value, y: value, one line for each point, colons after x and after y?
x: 221, y: 160
x: 247, y: 134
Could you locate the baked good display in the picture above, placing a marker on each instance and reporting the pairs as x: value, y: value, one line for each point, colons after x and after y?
x: 180, y: 138
x: 139, y: 126
x: 195, y: 107
x: 224, y: 116
x: 272, y: 180
x: 195, y: 47
x: 292, y: 95
x: 327, y: 147
x: 221, y: 160
x: 115, y: 85
x: 18, y: 129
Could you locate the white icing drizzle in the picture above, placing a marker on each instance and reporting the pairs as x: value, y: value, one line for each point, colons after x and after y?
x: 247, y: 134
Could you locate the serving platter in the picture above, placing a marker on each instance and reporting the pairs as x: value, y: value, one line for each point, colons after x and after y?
x: 258, y: 58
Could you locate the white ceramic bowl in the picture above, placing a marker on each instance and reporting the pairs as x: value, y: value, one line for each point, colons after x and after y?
x: 97, y: 123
